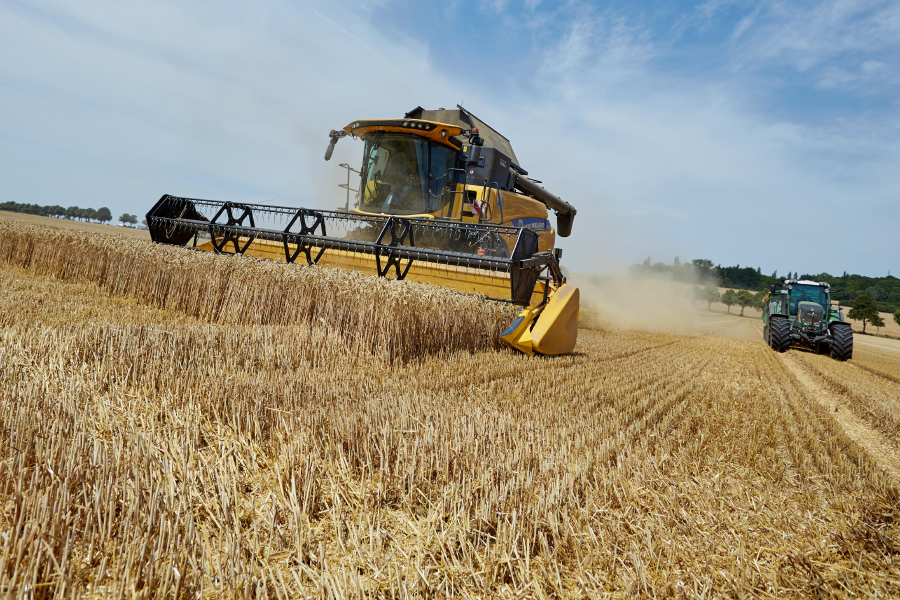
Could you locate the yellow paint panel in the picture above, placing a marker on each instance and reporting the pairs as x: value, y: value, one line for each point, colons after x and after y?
x: 556, y: 330
x: 518, y: 334
x: 434, y: 134
x: 466, y: 280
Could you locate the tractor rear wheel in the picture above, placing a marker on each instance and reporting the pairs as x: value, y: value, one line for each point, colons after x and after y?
x: 780, y: 333
x: 841, y: 341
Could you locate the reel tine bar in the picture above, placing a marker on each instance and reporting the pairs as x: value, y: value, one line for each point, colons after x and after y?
x: 393, y: 259
x: 175, y: 220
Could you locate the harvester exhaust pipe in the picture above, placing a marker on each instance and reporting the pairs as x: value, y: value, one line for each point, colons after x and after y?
x: 565, y: 212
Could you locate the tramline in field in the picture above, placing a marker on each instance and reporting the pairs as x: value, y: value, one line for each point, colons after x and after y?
x: 442, y: 200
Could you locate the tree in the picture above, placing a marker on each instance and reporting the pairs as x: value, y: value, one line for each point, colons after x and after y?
x: 759, y: 298
x: 710, y: 294
x: 696, y: 294
x: 703, y: 267
x: 90, y: 214
x: 729, y: 298
x: 897, y: 316
x: 127, y: 219
x: 877, y: 321
x: 745, y: 299
x: 104, y: 214
x: 72, y: 212
x: 864, y: 309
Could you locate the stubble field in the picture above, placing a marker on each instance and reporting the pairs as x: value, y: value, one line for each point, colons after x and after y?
x: 182, y: 425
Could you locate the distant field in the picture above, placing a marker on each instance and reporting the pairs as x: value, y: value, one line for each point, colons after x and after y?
x: 180, y: 424
x: 890, y: 326
x: 132, y: 232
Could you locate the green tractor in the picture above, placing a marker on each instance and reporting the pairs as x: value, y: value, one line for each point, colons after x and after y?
x: 801, y: 314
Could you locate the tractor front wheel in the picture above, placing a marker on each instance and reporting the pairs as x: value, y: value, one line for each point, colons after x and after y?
x: 780, y: 333
x: 841, y: 341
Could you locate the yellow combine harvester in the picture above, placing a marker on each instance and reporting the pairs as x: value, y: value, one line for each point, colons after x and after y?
x: 442, y: 200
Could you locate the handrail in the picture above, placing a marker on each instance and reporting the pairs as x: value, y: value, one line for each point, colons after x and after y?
x: 346, y: 186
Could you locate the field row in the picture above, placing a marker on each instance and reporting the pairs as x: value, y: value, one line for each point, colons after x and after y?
x: 148, y: 451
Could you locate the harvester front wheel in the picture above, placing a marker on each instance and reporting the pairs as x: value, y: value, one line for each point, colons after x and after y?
x: 841, y: 341
x: 780, y: 333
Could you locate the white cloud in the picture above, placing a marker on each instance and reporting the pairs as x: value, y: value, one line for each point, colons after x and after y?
x: 808, y: 35
x: 108, y: 104
x: 691, y: 167
x: 744, y: 24
x: 170, y: 97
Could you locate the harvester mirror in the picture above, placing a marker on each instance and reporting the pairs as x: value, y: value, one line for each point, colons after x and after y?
x: 330, y: 149
x: 772, y: 288
x: 335, y: 135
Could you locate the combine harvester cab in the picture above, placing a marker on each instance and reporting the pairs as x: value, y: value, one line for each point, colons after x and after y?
x: 801, y: 314
x: 441, y: 200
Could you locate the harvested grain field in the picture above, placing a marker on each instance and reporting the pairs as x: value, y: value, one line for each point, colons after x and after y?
x: 240, y: 438
x: 132, y: 232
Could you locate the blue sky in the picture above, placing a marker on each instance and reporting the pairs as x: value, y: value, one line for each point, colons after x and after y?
x: 760, y: 133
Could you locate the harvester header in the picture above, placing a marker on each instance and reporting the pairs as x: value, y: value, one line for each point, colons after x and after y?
x: 441, y: 200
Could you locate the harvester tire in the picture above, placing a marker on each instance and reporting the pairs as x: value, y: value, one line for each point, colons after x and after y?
x: 842, y: 341
x: 780, y: 333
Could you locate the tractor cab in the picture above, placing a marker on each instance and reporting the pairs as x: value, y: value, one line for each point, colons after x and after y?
x: 810, y: 293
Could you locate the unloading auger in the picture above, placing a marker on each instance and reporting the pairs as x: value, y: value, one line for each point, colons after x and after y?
x: 442, y: 201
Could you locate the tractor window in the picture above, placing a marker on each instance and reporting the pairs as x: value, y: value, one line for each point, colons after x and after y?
x: 808, y: 293
x: 404, y: 175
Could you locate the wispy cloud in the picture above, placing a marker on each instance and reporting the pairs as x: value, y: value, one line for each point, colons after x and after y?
x: 670, y: 139
x: 809, y: 35
x: 743, y: 25
x: 681, y: 161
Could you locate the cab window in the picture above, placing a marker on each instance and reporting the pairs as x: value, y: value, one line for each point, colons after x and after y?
x: 405, y: 174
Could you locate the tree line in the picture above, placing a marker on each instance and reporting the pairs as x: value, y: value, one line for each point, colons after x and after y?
x: 883, y: 291
x: 100, y: 215
x: 741, y: 298
x: 865, y: 309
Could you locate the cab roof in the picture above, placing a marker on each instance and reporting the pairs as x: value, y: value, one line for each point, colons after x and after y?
x: 465, y: 120
x: 806, y: 282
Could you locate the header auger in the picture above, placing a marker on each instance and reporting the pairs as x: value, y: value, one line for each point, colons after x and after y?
x: 441, y: 200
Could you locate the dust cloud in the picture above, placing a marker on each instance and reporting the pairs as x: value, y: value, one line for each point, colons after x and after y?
x: 613, y: 303
x: 617, y: 303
